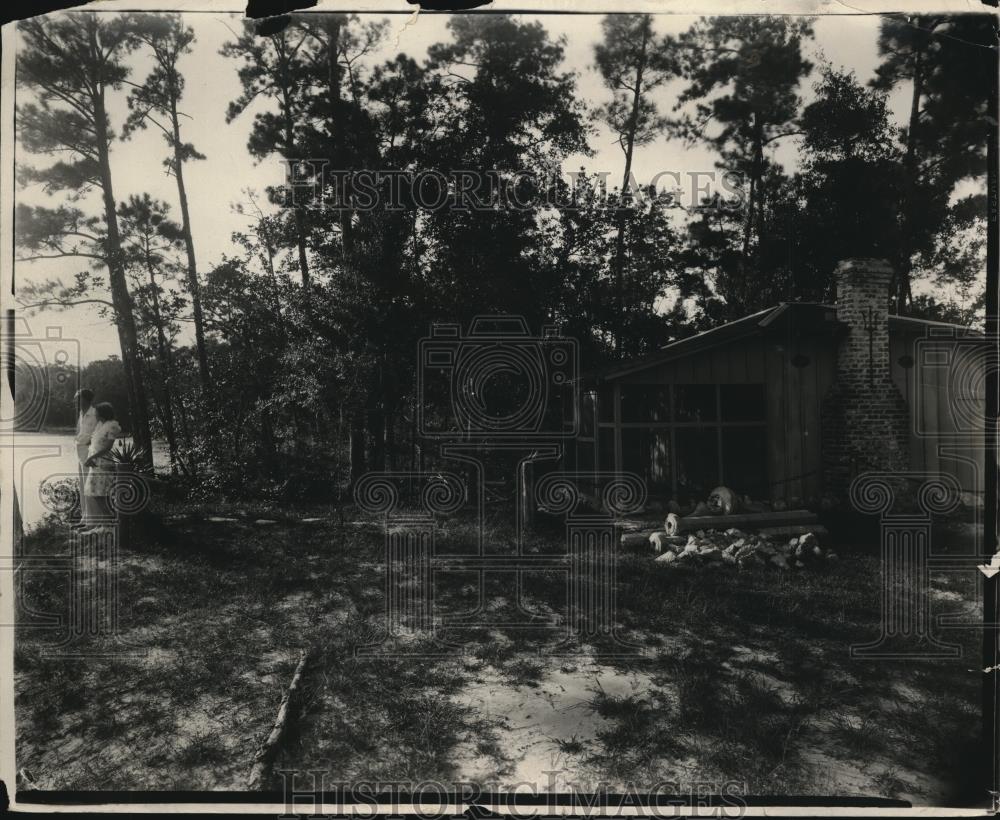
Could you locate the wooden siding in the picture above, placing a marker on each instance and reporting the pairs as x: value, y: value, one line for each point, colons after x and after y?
x: 793, y: 396
x: 942, y: 438
x: 943, y: 435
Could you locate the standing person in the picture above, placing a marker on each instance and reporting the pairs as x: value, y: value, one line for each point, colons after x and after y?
x: 86, y: 421
x: 97, y: 513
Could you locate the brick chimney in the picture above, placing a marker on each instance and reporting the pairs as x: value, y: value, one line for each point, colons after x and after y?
x: 865, y: 420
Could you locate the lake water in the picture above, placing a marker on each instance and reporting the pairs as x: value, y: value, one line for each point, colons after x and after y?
x: 40, y: 457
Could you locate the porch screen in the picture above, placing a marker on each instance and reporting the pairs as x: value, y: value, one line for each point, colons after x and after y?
x: 685, y: 439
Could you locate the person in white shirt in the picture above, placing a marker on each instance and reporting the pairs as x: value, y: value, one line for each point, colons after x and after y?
x: 86, y: 421
x: 97, y: 512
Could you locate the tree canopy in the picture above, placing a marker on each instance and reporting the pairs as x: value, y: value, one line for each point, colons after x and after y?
x: 290, y: 362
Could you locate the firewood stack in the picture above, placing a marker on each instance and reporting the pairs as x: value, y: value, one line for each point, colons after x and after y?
x: 743, y: 549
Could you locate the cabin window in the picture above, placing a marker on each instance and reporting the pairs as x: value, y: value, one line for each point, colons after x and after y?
x: 645, y: 402
x: 685, y: 439
x: 744, y: 460
x: 696, y: 402
x: 646, y: 453
x: 697, y: 461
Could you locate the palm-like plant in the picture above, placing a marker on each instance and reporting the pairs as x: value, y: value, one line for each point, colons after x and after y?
x: 130, y: 456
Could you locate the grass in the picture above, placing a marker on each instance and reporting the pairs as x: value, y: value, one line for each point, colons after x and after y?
x: 743, y: 675
x: 203, y: 749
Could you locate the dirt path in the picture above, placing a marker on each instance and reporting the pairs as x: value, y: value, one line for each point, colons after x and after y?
x: 545, y: 731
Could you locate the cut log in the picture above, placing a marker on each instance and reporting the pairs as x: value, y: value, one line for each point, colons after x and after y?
x: 753, y: 521
x: 260, y: 775
x: 661, y: 542
x: 671, y: 524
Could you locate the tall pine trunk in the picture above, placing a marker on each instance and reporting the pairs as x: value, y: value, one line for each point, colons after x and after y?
x: 166, y: 368
x: 120, y: 296
x: 194, y: 287
x: 360, y: 456
x: 358, y: 441
x: 289, y: 152
x: 904, y: 264
x: 633, y: 124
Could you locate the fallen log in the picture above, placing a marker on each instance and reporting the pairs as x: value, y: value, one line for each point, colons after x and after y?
x: 640, y: 540
x: 740, y: 521
x: 268, y: 751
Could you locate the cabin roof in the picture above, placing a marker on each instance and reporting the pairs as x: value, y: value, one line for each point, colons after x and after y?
x: 813, y: 318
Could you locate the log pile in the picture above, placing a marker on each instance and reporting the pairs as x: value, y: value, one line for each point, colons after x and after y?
x: 744, y: 549
x: 790, y: 522
x: 728, y: 532
x: 676, y: 524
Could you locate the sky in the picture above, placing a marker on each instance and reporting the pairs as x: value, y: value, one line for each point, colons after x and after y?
x: 217, y: 184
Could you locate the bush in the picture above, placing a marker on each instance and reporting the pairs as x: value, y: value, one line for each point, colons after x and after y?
x: 312, y: 476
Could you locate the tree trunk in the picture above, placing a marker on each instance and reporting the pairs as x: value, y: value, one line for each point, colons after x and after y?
x: 357, y: 446
x: 194, y: 288
x: 904, y: 264
x: 335, y: 134
x: 377, y: 459
x: 333, y: 131
x: 633, y: 124
x: 756, y: 175
x: 300, y: 231
x: 337, y: 150
x: 120, y: 296
x: 300, y: 238
x: 390, y: 440
x: 167, y: 370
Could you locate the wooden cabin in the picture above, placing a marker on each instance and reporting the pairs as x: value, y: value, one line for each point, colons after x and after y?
x: 792, y: 402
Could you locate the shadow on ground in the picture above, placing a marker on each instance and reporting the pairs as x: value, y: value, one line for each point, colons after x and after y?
x: 717, y: 676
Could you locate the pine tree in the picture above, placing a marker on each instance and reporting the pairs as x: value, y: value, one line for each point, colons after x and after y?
x: 159, y: 97
x: 633, y: 62
x: 743, y: 75
x: 275, y: 66
x: 71, y: 63
x: 949, y: 63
